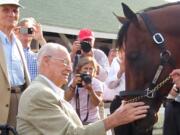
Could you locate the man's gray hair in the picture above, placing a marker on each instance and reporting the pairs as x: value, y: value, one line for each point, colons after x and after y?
x: 28, y: 19
x: 49, y: 49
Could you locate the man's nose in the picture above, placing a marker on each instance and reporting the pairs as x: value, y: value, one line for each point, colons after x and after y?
x: 69, y: 67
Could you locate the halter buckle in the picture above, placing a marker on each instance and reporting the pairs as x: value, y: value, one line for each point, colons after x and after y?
x: 158, y: 38
x: 149, y: 93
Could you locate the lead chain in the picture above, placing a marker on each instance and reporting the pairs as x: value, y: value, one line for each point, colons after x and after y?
x: 151, y: 91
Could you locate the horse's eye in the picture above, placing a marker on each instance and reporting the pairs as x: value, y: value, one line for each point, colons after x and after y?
x: 133, y: 56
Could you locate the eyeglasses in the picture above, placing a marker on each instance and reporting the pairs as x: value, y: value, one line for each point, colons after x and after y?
x: 64, y: 61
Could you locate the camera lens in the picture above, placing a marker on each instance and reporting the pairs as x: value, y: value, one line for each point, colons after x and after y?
x: 30, y: 30
x: 85, y: 46
x: 86, y: 78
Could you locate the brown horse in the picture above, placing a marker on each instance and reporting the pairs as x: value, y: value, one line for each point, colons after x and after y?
x: 151, y: 40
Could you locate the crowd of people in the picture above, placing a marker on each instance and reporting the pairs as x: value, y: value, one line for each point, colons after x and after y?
x: 31, y: 94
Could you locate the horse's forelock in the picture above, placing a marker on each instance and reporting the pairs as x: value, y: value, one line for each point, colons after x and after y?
x: 122, y: 34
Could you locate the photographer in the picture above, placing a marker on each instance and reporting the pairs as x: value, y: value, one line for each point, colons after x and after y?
x: 27, y: 30
x: 85, y: 91
x: 84, y: 46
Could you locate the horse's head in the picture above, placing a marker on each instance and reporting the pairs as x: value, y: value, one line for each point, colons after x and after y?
x: 150, y: 55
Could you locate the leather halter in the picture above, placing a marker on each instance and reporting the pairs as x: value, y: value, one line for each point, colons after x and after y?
x: 165, y: 58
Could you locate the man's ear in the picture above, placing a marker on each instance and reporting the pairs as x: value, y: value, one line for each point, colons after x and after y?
x: 46, y: 59
x: 17, y: 30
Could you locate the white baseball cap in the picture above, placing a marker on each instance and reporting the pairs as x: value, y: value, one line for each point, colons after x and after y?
x: 10, y: 2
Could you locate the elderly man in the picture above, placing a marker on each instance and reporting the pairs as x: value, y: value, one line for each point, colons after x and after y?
x: 14, y: 75
x: 43, y: 110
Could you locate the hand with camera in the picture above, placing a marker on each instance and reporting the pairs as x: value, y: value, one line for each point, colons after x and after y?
x: 85, y: 91
x: 82, y: 48
x: 86, y: 48
x: 75, y: 48
x: 86, y: 83
x: 38, y: 34
x: 76, y: 81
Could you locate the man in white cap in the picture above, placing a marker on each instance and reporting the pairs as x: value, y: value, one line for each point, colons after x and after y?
x: 14, y: 76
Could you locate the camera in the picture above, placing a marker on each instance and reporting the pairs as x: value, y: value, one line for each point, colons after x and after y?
x: 26, y: 30
x: 86, y: 78
x: 85, y: 46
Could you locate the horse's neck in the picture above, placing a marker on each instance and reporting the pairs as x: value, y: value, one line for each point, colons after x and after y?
x: 167, y: 19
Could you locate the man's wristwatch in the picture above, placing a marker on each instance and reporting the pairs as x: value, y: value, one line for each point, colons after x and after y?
x: 177, y: 90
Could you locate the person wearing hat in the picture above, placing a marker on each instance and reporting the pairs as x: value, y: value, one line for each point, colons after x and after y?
x: 86, y: 35
x: 14, y: 76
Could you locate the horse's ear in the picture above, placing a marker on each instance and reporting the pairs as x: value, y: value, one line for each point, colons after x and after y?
x: 122, y: 20
x: 129, y: 13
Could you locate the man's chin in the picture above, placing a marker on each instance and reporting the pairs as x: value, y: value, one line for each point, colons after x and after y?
x: 65, y: 81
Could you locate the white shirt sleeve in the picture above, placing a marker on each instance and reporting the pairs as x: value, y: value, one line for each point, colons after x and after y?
x: 103, y: 63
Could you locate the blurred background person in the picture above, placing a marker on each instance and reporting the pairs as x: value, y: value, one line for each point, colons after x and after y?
x: 112, y: 54
x: 116, y: 77
x: 84, y: 46
x: 27, y: 30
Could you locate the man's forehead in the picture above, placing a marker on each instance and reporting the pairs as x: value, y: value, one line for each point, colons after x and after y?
x: 62, y: 54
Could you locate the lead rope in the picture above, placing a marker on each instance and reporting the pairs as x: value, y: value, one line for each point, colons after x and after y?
x: 158, y: 86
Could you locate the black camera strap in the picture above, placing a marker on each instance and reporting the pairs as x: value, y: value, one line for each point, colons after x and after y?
x: 78, y: 106
x: 76, y: 60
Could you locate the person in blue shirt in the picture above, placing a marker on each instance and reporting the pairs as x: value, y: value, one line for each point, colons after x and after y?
x: 27, y: 30
x: 14, y: 76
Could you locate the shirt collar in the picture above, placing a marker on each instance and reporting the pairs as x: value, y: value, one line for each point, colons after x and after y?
x: 55, y: 89
x: 26, y: 49
x: 5, y: 40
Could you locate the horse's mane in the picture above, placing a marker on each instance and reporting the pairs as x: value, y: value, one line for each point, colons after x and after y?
x: 121, y: 34
x: 123, y: 30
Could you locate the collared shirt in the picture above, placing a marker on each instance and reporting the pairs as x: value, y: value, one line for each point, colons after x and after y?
x: 13, y: 60
x: 31, y: 59
x: 56, y: 89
